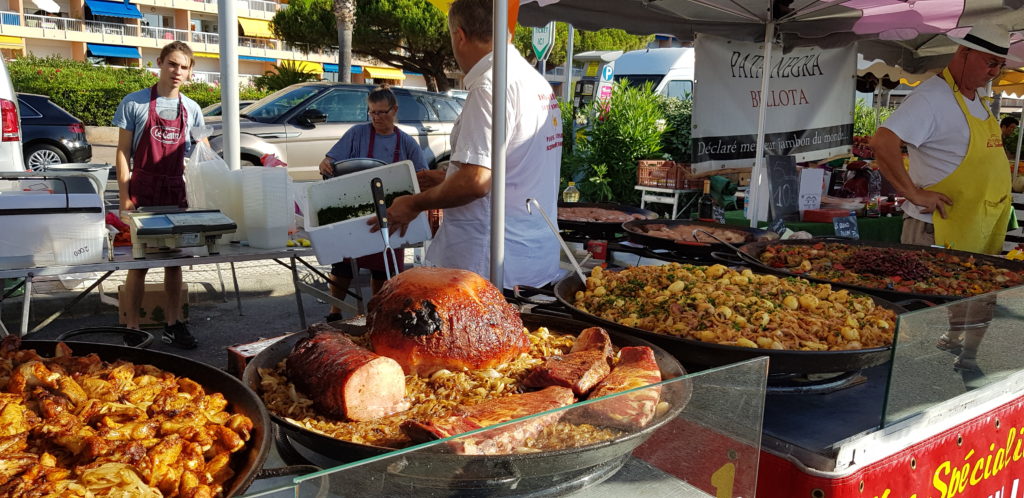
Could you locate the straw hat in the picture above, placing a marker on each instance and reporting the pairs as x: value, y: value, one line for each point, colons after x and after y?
x: 989, y: 38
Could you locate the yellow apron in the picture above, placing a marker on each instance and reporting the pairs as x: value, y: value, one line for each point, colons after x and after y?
x: 979, y: 188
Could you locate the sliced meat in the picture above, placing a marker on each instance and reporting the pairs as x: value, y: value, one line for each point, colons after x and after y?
x: 636, y: 368
x: 491, y: 412
x: 598, y: 215
x: 593, y: 338
x: 345, y: 380
x: 579, y: 371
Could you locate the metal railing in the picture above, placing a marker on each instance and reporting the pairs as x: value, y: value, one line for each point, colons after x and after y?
x: 50, y: 22
x: 168, y: 34
x: 10, y: 18
x: 108, y: 28
x: 260, y: 5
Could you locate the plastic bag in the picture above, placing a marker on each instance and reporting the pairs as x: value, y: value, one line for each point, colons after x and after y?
x: 202, y: 165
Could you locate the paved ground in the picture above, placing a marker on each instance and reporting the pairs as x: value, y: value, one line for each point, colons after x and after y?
x: 268, y: 307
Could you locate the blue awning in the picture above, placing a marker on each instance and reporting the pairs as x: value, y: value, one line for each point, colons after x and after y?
x: 330, y: 68
x: 257, y: 59
x: 113, y: 9
x: 357, y: 69
x: 100, y: 50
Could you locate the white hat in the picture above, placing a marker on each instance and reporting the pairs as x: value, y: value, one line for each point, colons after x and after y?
x: 989, y: 38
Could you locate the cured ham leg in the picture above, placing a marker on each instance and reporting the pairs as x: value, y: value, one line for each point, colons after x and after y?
x: 488, y: 413
x: 345, y: 380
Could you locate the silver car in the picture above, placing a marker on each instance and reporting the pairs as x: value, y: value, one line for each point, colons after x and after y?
x: 301, y: 122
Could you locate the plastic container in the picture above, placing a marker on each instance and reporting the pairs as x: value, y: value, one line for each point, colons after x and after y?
x: 78, y: 245
x: 267, y: 206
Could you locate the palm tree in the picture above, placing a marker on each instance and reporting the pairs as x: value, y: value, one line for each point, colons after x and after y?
x: 345, y: 11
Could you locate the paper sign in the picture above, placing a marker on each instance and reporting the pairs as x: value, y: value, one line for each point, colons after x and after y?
x: 846, y: 227
x: 592, y: 68
x: 810, y: 188
x: 784, y: 187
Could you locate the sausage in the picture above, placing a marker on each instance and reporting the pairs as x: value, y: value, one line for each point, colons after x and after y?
x: 345, y: 380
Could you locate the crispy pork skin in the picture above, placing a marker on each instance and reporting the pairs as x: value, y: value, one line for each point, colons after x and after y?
x: 579, y: 371
x: 636, y: 368
x: 430, y: 319
x: 594, y: 338
x: 345, y: 380
x: 491, y: 412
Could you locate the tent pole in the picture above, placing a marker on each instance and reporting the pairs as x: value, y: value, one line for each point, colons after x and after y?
x: 228, y: 21
x: 500, y: 77
x: 1016, y: 159
x: 757, y: 178
x: 567, y: 88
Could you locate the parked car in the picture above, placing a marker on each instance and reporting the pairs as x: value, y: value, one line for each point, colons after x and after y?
x: 214, y: 109
x: 10, y: 125
x: 51, y: 135
x: 300, y: 123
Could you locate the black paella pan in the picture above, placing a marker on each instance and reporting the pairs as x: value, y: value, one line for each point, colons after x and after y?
x: 640, y: 232
x: 601, y: 228
x: 240, y: 398
x: 751, y: 254
x: 432, y: 467
x: 705, y: 354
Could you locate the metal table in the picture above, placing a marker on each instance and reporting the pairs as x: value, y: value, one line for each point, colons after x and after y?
x: 290, y: 258
x: 668, y: 196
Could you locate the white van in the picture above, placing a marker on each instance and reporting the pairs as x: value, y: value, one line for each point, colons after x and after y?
x: 670, y: 70
x: 10, y: 124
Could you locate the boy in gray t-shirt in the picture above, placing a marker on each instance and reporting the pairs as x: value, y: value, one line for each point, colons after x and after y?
x: 133, y: 111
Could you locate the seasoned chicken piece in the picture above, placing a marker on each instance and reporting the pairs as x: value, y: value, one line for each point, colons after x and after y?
x: 12, y: 465
x: 15, y: 417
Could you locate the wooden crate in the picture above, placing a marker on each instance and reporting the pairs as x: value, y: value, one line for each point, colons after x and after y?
x: 664, y: 174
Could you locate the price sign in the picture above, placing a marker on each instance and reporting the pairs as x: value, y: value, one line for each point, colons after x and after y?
x: 718, y: 213
x: 846, y: 227
x: 777, y: 225
x: 784, y: 188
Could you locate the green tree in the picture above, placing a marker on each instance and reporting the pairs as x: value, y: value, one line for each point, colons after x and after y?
x: 584, y: 41
x: 409, y: 34
x: 345, y: 13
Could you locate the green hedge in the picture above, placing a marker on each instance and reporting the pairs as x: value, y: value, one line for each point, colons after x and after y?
x: 92, y: 93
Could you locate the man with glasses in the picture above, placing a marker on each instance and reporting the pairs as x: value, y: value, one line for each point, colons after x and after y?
x: 957, y: 185
x: 378, y: 139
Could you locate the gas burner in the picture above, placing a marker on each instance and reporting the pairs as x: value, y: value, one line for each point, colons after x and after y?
x: 403, y: 476
x: 823, y: 383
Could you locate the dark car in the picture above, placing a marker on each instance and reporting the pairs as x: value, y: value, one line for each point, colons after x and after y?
x: 50, y: 135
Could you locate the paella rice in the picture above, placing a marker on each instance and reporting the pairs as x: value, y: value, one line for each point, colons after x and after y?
x: 719, y: 305
x: 435, y: 396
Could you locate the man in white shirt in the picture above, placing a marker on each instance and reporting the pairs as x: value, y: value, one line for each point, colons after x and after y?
x: 533, y: 160
x: 957, y: 186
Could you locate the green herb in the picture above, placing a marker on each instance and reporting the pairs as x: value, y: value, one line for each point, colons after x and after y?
x: 333, y: 214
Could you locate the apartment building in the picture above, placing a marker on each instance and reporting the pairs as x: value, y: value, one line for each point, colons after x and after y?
x: 132, y: 32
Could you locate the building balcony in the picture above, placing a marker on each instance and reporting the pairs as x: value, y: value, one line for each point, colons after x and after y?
x: 259, y: 9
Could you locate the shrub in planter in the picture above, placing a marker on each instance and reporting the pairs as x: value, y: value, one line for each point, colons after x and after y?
x: 613, y: 138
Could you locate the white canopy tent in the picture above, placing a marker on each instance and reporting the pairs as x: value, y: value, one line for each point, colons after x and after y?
x: 908, y: 34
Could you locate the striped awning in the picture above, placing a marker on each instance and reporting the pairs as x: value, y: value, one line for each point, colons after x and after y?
x: 12, y: 42
x: 306, y: 66
x: 255, y: 27
x: 386, y: 73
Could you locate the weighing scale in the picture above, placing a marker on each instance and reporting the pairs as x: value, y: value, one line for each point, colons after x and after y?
x: 172, y: 228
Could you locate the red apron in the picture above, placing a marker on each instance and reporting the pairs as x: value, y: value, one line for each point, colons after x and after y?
x: 376, y: 261
x: 158, y: 165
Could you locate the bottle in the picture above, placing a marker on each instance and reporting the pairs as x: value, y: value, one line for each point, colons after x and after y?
x: 571, y: 193
x: 706, y: 204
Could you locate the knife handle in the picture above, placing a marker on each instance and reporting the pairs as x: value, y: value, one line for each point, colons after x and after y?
x: 377, y: 188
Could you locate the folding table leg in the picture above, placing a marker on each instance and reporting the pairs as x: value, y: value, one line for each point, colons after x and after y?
x: 298, y: 293
x: 25, y: 305
x: 238, y: 292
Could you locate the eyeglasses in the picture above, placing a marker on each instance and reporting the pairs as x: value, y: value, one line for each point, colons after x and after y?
x: 993, y: 63
x: 381, y: 113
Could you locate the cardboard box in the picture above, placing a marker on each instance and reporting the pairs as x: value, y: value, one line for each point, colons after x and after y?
x: 154, y: 305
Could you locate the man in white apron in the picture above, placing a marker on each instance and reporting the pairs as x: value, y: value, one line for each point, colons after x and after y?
x: 958, y: 184
x: 533, y: 160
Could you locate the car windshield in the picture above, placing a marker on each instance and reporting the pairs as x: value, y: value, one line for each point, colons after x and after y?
x: 638, y: 80
x: 277, y: 104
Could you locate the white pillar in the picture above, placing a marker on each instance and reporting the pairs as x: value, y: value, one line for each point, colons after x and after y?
x: 757, y: 193
x: 227, y: 18
x: 500, y: 77
x: 567, y: 88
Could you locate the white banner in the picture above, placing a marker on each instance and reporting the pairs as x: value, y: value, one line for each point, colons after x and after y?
x: 810, y: 102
